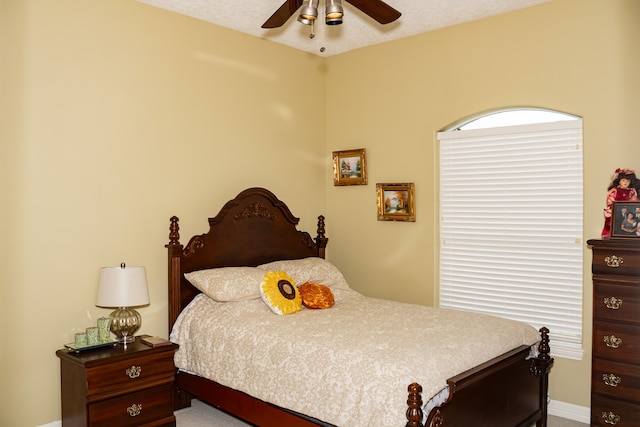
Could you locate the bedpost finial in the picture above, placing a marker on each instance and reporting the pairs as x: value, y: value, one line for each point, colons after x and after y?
x: 542, y: 364
x: 321, y: 240
x: 414, y: 401
x: 174, y: 232
x: 321, y: 227
x: 544, y: 343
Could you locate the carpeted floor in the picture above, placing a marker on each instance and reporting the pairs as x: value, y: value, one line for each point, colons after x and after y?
x: 203, y: 415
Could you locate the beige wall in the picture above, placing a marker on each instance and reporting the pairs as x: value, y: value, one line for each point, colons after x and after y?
x: 117, y: 115
x: 122, y: 115
x: 575, y: 56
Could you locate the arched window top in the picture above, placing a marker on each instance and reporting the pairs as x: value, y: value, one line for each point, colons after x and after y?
x: 520, y: 116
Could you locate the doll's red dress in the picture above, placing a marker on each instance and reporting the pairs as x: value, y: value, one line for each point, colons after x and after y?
x: 616, y: 194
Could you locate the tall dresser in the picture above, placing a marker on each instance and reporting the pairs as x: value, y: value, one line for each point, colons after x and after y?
x: 615, y: 372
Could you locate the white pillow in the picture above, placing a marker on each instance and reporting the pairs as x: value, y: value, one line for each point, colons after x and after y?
x: 228, y: 283
x: 313, y: 269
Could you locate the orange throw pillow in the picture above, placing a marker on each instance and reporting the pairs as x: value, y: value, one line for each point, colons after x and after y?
x: 316, y: 296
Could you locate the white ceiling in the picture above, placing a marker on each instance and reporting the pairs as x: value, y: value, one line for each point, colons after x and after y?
x: 358, y: 30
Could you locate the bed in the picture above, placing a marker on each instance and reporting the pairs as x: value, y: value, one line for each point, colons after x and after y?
x: 256, y: 233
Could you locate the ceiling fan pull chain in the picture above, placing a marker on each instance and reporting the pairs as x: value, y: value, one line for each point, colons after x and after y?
x: 313, y: 30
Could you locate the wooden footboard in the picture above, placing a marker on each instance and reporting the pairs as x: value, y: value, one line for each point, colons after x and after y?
x: 509, y: 391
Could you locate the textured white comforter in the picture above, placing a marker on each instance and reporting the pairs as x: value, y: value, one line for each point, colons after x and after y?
x: 349, y: 365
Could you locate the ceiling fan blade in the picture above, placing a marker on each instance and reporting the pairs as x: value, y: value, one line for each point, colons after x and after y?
x: 377, y: 9
x: 281, y: 15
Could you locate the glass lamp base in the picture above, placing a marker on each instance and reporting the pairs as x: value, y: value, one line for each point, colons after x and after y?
x: 125, y: 321
x: 126, y: 340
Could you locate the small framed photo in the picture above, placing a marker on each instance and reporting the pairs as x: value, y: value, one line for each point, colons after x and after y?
x: 625, y: 219
x: 350, y: 167
x: 396, y: 202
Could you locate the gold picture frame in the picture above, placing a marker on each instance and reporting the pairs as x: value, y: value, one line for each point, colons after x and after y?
x: 350, y: 167
x: 396, y: 202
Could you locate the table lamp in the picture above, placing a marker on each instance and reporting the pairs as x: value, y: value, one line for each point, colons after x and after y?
x: 123, y: 287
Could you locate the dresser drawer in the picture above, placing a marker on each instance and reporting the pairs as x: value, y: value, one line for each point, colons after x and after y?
x: 609, y: 412
x: 616, y: 380
x: 615, y: 301
x: 616, y: 341
x: 133, y: 409
x: 130, y: 374
x: 616, y: 260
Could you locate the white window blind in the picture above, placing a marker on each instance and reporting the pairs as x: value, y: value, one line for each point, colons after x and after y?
x: 511, y: 226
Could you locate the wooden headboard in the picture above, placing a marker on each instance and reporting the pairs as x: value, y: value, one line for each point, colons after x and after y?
x: 252, y: 229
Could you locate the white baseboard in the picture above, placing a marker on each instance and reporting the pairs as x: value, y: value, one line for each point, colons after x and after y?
x: 582, y: 414
x: 53, y: 424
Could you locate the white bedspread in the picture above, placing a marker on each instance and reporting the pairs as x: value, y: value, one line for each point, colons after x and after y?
x: 349, y: 365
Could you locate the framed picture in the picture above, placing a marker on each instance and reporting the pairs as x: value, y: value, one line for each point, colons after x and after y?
x: 350, y: 167
x: 396, y: 202
x: 625, y: 219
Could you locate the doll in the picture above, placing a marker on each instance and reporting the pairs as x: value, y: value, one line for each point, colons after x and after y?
x: 624, y: 187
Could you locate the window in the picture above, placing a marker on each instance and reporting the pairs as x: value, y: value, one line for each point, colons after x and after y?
x: 511, y: 223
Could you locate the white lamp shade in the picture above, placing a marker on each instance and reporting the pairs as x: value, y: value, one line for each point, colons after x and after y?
x: 122, y: 286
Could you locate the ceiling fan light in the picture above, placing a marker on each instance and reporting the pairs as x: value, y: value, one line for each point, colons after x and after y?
x: 308, y: 12
x: 334, y: 12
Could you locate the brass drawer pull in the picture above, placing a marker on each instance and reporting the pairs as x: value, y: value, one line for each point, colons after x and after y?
x: 612, y: 341
x: 613, y: 261
x: 610, y: 418
x: 135, y: 409
x: 134, y: 371
x: 612, y: 303
x: 611, y: 380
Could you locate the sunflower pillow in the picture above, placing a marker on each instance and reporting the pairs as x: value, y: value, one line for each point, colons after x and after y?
x: 279, y: 293
x: 316, y: 296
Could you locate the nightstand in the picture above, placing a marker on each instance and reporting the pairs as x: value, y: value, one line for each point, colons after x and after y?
x: 118, y: 386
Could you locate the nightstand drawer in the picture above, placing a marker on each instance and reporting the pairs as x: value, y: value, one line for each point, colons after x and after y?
x: 608, y: 412
x: 615, y: 301
x: 616, y: 380
x: 134, y: 409
x: 616, y: 341
x: 130, y: 374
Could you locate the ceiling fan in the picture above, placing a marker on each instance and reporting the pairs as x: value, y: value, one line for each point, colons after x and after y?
x: 376, y: 9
